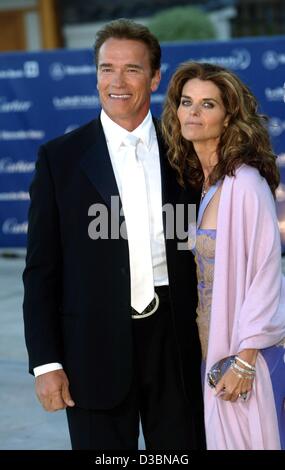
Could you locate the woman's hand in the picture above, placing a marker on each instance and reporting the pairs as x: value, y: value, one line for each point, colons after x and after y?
x: 234, y: 383
x: 231, y: 386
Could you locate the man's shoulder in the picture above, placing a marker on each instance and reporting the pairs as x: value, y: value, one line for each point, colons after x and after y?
x: 160, y: 139
x: 157, y: 126
x: 82, y: 134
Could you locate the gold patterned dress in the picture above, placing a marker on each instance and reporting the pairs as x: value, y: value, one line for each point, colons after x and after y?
x: 204, y: 257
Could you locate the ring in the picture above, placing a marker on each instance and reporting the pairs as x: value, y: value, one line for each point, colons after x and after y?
x: 243, y: 395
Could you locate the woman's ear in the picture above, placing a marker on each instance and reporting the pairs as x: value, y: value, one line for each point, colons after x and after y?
x: 226, y: 121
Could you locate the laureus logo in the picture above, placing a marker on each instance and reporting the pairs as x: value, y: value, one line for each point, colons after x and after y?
x: 57, y: 71
x: 270, y: 60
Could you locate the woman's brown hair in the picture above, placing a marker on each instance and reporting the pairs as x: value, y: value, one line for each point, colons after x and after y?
x: 244, y: 140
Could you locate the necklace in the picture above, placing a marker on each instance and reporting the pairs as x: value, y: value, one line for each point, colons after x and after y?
x: 204, y: 191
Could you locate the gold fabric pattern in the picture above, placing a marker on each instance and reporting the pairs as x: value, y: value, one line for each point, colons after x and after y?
x: 205, y: 255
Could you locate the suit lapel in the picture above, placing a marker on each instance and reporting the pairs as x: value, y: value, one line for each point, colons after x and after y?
x: 97, y: 166
x: 167, y: 186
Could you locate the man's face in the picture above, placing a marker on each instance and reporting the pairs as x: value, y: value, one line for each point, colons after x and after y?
x: 124, y: 81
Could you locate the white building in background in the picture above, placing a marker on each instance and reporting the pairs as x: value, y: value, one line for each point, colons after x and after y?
x: 78, y: 36
x: 221, y: 20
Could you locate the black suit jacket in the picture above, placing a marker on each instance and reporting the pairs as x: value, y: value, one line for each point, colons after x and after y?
x: 77, y: 290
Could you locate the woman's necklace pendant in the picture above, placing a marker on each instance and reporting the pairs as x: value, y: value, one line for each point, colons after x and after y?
x: 204, y: 191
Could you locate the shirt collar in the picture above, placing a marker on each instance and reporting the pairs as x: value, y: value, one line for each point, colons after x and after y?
x: 115, y: 134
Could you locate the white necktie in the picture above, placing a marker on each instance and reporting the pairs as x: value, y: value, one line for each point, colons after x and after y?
x: 135, y: 206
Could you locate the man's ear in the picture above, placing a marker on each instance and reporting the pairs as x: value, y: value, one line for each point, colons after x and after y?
x: 155, y: 81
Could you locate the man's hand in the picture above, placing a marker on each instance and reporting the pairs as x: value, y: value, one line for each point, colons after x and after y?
x: 52, y: 389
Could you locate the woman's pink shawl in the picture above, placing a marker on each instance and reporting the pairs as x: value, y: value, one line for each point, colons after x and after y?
x: 248, y: 309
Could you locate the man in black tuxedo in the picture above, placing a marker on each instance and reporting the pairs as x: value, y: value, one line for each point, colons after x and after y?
x: 110, y: 321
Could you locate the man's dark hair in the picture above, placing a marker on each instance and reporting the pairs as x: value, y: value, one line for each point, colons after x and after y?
x: 128, y: 29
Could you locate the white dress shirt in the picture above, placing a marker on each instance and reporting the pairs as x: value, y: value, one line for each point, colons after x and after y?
x: 148, y: 154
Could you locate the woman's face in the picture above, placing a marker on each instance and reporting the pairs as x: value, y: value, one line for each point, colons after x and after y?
x: 201, y: 112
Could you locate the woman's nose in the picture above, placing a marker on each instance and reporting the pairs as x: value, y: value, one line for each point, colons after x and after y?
x: 194, y: 109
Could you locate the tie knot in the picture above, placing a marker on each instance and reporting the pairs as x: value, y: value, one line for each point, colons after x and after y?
x: 131, y: 140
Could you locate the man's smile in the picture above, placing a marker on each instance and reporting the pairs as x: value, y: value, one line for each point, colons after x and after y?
x: 119, y: 96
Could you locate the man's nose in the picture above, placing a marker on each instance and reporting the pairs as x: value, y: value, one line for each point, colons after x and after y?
x: 118, y: 79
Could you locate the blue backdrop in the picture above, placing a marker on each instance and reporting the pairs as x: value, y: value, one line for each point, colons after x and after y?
x: 43, y: 95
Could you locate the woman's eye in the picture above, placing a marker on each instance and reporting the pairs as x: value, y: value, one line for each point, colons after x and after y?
x: 208, y: 104
x: 186, y: 102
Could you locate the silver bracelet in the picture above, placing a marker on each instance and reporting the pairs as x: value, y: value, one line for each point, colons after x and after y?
x: 250, y: 366
x: 242, y: 375
x: 242, y: 370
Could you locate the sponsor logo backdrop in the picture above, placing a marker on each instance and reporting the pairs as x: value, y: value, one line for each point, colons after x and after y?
x: 44, y: 95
